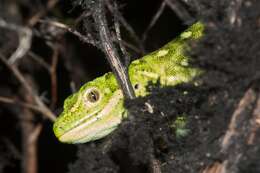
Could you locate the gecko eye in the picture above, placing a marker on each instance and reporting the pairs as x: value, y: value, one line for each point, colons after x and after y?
x: 93, y: 95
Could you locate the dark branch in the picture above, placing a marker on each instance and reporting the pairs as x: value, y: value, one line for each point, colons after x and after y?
x: 111, y: 53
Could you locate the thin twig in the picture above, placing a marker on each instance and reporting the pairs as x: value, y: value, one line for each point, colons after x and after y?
x: 44, y: 109
x: 131, y: 46
x: 122, y: 20
x: 123, y: 50
x: 154, y: 20
x: 30, y: 134
x: 176, y: 6
x: 53, y: 76
x: 9, y: 100
x: 85, y: 14
x: 52, y: 71
x: 39, y: 60
x: 196, y: 5
x: 83, y: 38
x: 35, y: 18
x: 180, y: 10
x: 25, y: 39
x: 111, y: 53
x: 35, y: 133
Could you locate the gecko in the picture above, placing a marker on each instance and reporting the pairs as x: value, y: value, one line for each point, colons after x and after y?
x: 97, y: 108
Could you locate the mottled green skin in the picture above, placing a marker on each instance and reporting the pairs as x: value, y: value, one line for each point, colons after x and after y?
x: 167, y: 65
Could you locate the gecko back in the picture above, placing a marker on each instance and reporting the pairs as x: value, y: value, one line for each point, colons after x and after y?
x: 169, y: 65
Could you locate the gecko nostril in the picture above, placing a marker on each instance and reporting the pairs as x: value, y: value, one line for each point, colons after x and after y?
x: 136, y: 86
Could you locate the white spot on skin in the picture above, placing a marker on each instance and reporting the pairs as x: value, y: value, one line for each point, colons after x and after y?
x: 162, y: 53
x: 184, y: 62
x: 107, y: 90
x: 186, y: 34
x: 149, y: 74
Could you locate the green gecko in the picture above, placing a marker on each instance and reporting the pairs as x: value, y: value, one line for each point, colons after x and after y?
x: 97, y: 108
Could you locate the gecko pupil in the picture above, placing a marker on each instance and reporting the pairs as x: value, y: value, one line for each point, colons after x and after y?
x: 93, y: 96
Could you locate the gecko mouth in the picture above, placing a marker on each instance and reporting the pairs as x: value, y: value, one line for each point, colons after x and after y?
x: 96, y: 125
x: 58, y: 127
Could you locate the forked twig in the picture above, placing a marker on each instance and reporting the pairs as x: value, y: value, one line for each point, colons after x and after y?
x: 154, y: 20
x: 25, y: 39
x: 42, y: 107
x: 114, y: 10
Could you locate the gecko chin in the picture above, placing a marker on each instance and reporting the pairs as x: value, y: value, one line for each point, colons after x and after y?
x: 77, y: 135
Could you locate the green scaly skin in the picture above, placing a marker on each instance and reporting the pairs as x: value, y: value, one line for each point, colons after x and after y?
x: 97, y: 108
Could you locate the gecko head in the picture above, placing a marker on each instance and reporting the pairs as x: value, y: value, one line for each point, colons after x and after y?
x: 91, y: 113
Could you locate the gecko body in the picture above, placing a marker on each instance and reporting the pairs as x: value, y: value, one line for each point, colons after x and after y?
x: 97, y: 108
